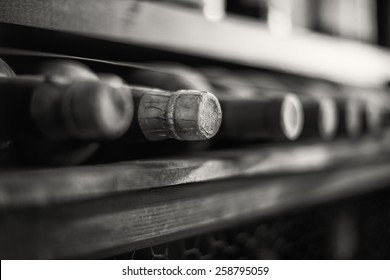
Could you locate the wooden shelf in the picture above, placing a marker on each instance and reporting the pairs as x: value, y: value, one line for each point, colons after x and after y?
x: 121, y: 223
x: 51, y: 186
x: 97, y: 211
x: 152, y: 24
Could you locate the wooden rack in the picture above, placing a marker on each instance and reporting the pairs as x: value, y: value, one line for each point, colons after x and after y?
x: 102, y: 210
x: 160, y: 26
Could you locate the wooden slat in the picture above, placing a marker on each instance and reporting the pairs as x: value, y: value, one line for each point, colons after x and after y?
x: 57, y: 185
x: 182, y: 30
x: 130, y: 221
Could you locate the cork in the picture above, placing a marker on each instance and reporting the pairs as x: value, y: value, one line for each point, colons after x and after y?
x: 182, y: 115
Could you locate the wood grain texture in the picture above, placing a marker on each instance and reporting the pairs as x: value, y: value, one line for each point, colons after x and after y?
x: 118, y: 224
x: 182, y: 30
x: 53, y: 186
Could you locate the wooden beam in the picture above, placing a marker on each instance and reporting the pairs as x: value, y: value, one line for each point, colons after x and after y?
x: 184, y: 31
x: 121, y: 223
x: 53, y: 186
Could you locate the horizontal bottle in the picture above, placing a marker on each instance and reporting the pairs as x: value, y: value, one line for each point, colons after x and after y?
x: 370, y: 106
x: 97, y: 126
x: 319, y: 110
x: 159, y: 114
x: 252, y: 112
x: 182, y: 115
x: 346, y: 116
x: 58, y: 121
x: 328, y: 111
x: 197, y: 113
x: 166, y: 124
x: 321, y: 117
x: 373, y: 118
x: 350, y: 104
x: 112, y: 79
x: 168, y: 76
x: 246, y: 116
x: 228, y: 83
x: 279, y: 118
x: 67, y: 109
x: 206, y: 118
x: 350, y: 115
x: 69, y: 69
x: 374, y: 103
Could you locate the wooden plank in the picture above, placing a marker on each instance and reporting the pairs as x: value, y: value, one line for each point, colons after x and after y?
x: 121, y: 223
x: 182, y: 30
x: 44, y: 187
